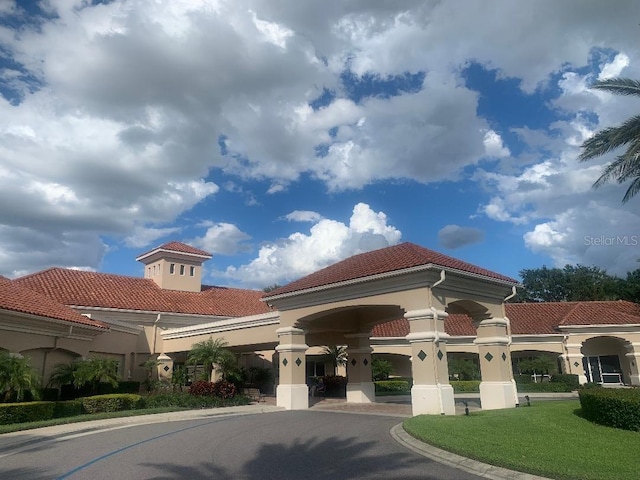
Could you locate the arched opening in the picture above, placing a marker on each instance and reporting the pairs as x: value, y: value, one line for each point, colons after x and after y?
x: 604, y: 360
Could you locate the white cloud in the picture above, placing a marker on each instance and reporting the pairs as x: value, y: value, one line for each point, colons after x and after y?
x: 223, y: 239
x: 455, y: 236
x: 493, y: 145
x: 615, y: 67
x: 143, y: 236
x: 303, y: 216
x: 327, y: 242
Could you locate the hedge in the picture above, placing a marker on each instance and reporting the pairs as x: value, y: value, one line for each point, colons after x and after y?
x: 111, y: 403
x: 566, y: 378
x: 465, y: 386
x: 25, y: 412
x: 548, y: 387
x: 618, y: 408
x: 69, y: 408
x: 391, y: 385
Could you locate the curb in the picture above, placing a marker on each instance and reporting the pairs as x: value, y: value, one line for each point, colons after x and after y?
x: 456, y: 461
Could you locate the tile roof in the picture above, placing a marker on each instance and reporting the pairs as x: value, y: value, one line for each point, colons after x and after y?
x: 178, y: 247
x: 92, y: 289
x: 534, y: 318
x: 385, y: 260
x: 17, y: 298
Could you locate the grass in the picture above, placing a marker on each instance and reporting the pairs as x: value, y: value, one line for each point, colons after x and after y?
x: 548, y: 439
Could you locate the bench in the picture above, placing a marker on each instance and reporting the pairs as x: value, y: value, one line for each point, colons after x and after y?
x: 253, y: 394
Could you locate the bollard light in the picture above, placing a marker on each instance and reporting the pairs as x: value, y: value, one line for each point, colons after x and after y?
x: 528, y: 400
x: 466, y: 408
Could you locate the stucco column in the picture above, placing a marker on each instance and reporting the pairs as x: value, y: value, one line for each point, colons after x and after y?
x: 573, y: 358
x: 431, y: 392
x: 498, y: 388
x: 360, y: 387
x: 633, y: 357
x: 292, y: 392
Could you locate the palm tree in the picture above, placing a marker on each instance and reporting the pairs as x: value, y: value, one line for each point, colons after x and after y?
x: 627, y: 165
x: 337, y: 355
x: 212, y: 353
x: 63, y: 374
x: 17, y: 377
x: 96, y: 370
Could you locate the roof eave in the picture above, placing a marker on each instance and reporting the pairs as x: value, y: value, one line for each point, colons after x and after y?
x: 370, y: 278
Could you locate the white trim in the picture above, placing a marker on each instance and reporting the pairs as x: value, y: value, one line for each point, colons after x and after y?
x: 239, y: 323
x: 162, y: 250
x: 57, y: 321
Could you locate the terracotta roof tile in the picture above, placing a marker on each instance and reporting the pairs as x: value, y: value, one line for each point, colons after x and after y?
x: 385, y: 260
x: 92, y: 289
x: 534, y: 318
x: 17, y: 298
x: 178, y: 247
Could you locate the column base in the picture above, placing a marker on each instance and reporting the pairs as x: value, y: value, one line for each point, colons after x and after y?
x: 497, y: 395
x: 364, y: 392
x: 292, y: 397
x: 582, y: 379
x: 433, y: 400
x: 635, y: 380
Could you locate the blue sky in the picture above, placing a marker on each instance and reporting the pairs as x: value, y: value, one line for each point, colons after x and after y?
x: 283, y: 137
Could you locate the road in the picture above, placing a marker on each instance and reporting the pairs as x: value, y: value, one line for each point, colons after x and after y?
x: 279, y: 445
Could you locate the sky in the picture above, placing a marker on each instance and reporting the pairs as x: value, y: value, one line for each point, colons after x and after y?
x: 284, y: 136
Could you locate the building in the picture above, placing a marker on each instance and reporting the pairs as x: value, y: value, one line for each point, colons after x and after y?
x: 409, y: 304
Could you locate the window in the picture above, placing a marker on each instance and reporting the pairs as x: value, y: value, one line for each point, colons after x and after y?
x: 181, y: 269
x: 172, y: 268
x: 192, y: 271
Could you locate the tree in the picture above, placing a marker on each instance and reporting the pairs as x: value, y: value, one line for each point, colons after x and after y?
x: 381, y: 369
x: 542, y: 365
x: 210, y: 353
x: 271, y: 288
x: 63, y: 374
x: 463, y: 369
x: 96, y: 370
x: 570, y: 284
x: 17, y: 377
x: 337, y: 355
x: 627, y: 165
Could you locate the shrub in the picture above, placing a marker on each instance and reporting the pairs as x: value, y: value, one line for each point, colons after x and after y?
x: 545, y: 387
x: 127, y: 387
x: 49, y: 394
x: 186, y: 400
x: 224, y: 389
x: 465, y: 386
x: 111, y: 403
x: 70, y: 408
x: 618, y: 408
x: 566, y: 378
x: 25, y: 412
x: 392, y: 386
x: 522, y: 379
x: 335, y: 385
x: 202, y: 388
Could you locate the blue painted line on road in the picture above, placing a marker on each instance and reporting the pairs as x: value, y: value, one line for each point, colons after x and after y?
x: 120, y: 450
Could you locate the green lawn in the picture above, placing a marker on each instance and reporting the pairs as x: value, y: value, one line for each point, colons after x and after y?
x: 547, y: 439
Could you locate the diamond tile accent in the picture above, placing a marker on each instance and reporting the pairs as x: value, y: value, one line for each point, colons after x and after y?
x: 284, y: 362
x: 353, y: 362
x: 166, y: 368
x: 298, y: 361
x: 366, y: 362
x: 504, y: 357
x: 576, y: 364
x: 422, y: 355
x: 440, y: 354
x: 488, y: 356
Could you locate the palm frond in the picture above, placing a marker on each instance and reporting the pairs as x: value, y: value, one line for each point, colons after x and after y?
x: 618, y: 86
x: 633, y: 189
x: 611, y: 138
